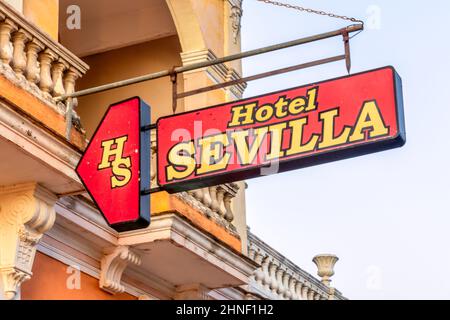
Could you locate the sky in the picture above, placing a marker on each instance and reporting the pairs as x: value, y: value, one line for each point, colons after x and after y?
x: 385, y: 215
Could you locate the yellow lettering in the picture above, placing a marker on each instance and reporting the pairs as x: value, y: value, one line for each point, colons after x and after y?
x: 264, y: 113
x: 297, y: 145
x: 212, y: 151
x: 328, y: 138
x: 248, y: 154
x: 181, y: 156
x: 280, y: 105
x: 113, y: 158
x: 242, y: 115
x: 312, y: 99
x: 276, y: 140
x: 369, y: 118
x: 121, y: 170
x: 297, y: 106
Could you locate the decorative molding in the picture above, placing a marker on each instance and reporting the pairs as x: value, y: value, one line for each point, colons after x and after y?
x: 218, y: 73
x: 215, y: 203
x: 64, y: 243
x: 26, y: 213
x: 35, y: 62
x: 113, y: 264
x: 10, y: 13
x: 75, y: 216
x: 43, y: 145
x: 236, y: 16
x: 279, y: 278
x: 230, y: 293
x: 192, y: 292
x: 181, y: 232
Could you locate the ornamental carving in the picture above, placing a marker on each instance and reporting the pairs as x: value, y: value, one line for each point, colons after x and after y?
x: 26, y: 213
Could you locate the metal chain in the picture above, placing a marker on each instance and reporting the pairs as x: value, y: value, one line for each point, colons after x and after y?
x: 319, y: 12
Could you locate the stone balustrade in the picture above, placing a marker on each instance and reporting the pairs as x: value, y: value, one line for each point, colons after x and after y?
x: 31, y: 59
x: 215, y: 202
x: 279, y: 278
x: 217, y: 199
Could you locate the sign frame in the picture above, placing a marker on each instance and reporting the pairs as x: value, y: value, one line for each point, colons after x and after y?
x: 352, y: 151
x: 143, y: 220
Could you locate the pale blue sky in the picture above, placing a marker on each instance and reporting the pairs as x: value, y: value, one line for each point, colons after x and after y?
x: 386, y: 215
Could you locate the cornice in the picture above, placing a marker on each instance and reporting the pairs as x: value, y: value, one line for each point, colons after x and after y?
x: 218, y: 73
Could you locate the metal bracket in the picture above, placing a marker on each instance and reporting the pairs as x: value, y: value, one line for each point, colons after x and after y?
x: 348, y: 61
x: 173, y: 78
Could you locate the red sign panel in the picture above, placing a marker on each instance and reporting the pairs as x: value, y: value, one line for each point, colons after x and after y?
x: 281, y: 131
x: 115, y: 167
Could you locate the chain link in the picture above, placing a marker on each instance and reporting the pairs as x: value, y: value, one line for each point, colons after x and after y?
x: 308, y: 10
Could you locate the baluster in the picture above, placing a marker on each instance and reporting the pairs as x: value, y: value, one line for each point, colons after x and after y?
x: 197, y: 194
x: 273, y: 275
x: 305, y: 291
x: 207, y: 200
x: 229, y: 215
x: 6, y: 47
x: 259, y: 273
x: 214, y: 199
x: 32, y: 68
x: 293, y: 288
x: 287, y: 285
x: 45, y: 59
x: 57, y: 77
x: 311, y: 294
x: 220, y: 195
x: 267, y: 279
x: 19, y: 40
x: 298, y: 290
x: 69, y: 79
x: 279, y: 276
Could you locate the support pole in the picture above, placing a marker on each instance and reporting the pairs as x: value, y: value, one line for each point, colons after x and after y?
x: 173, y: 79
x: 261, y: 75
x: 348, y: 61
x: 194, y: 66
x: 69, y: 110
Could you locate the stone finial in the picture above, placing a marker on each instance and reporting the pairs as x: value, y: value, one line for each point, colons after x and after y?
x: 325, y: 266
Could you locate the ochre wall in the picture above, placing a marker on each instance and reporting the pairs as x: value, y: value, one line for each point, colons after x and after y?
x: 49, y: 283
x: 124, y: 63
x: 210, y: 14
x: 43, y: 13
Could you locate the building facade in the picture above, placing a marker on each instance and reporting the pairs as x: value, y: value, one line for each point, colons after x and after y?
x: 54, y: 244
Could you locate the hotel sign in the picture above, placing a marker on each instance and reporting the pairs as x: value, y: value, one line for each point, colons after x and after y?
x: 115, y: 167
x: 281, y: 131
x: 276, y: 132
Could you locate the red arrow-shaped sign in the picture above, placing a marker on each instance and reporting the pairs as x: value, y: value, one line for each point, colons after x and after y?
x: 115, y: 168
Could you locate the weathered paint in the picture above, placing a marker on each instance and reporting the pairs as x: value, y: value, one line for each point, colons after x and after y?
x: 39, y: 111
